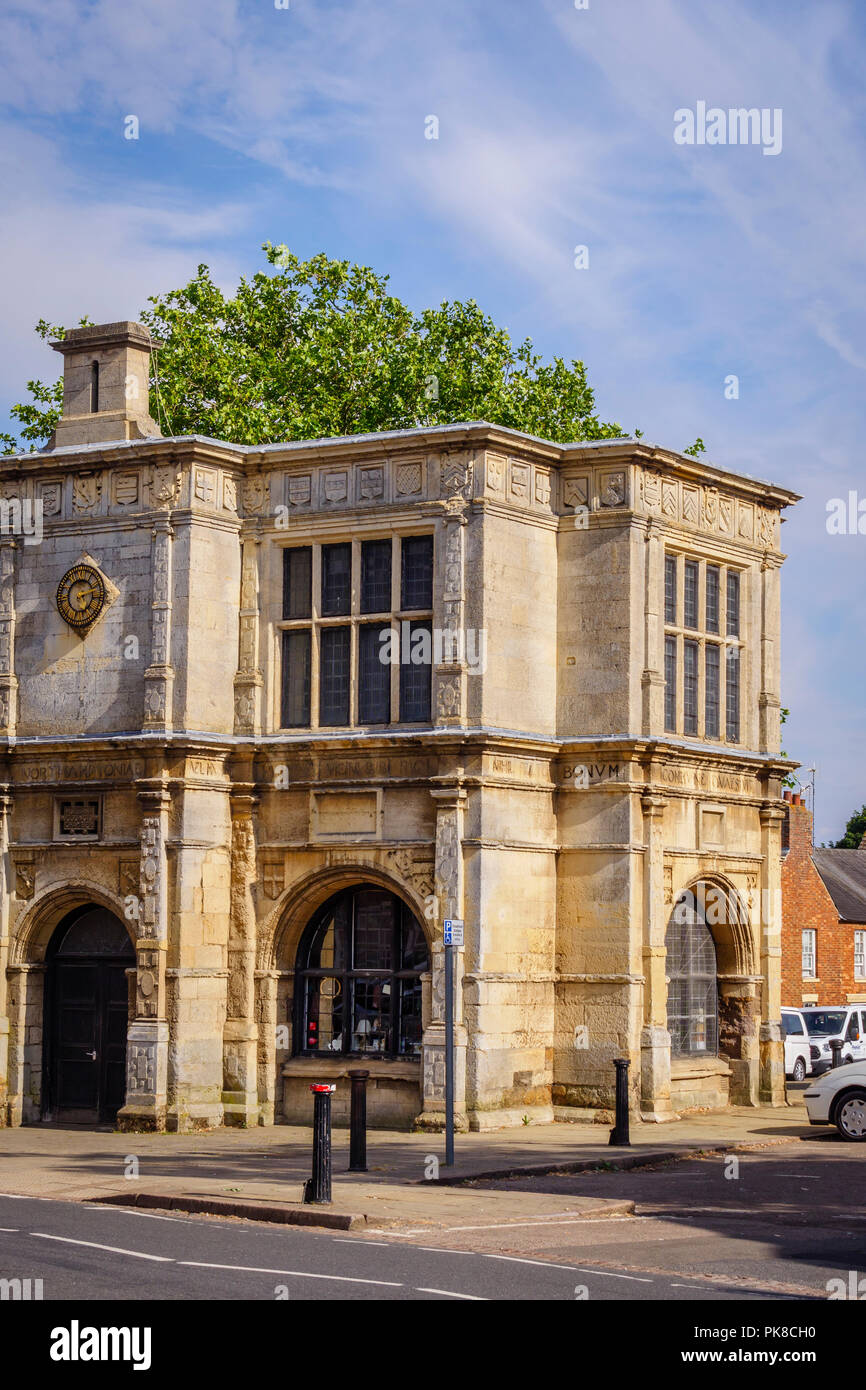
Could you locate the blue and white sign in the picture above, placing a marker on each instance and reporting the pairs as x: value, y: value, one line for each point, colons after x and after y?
x: 453, y: 928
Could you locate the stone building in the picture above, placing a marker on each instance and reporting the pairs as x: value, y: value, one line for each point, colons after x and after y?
x: 231, y: 830
x: 823, y: 916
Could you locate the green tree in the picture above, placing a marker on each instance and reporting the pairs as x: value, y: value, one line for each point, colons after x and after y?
x: 314, y: 348
x: 854, y: 831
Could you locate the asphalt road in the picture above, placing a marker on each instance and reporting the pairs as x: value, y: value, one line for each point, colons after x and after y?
x: 99, y: 1253
x: 781, y: 1222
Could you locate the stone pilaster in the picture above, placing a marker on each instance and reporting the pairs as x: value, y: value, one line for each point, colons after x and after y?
x: 769, y: 703
x: 8, y: 679
x: 653, y: 676
x: 269, y: 1053
x: 655, y: 1040
x: 5, y: 891
x: 449, y: 684
x: 772, y: 1046
x: 147, y: 1039
x: 248, y: 678
x: 449, y: 895
x: 240, y: 1036
x: 159, y: 676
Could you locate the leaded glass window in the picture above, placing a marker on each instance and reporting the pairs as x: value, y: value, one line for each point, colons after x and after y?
x: 693, y: 1001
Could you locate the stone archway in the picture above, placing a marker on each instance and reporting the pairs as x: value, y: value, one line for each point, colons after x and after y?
x: 31, y: 1000
x: 279, y: 939
x: 714, y: 998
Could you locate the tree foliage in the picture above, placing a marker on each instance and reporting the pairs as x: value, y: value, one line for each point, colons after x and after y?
x: 854, y: 831
x: 311, y: 349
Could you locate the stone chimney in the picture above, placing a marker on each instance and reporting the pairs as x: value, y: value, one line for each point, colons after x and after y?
x: 105, y: 384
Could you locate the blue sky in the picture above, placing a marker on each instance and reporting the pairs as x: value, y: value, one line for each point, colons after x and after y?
x: 306, y: 126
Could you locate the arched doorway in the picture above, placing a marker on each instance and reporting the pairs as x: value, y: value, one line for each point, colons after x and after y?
x: 358, y: 977
x: 84, y: 1066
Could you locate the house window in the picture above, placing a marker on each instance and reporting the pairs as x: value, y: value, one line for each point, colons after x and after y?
x: 671, y: 683
x: 693, y: 651
x: 711, y: 621
x: 860, y: 955
x: 358, y: 978
x: 690, y: 595
x: 711, y: 690
x: 356, y: 645
x: 670, y: 588
x: 809, y: 947
x: 693, y: 1001
x: 732, y: 694
x: 690, y: 687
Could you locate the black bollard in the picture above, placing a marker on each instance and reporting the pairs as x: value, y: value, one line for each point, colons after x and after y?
x: 358, y: 1122
x: 318, y: 1187
x: 619, y: 1133
x: 836, y: 1052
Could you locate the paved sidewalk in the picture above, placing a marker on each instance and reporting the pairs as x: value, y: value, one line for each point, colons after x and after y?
x: 268, y: 1166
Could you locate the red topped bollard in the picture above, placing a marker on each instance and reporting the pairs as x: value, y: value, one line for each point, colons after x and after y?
x: 318, y: 1187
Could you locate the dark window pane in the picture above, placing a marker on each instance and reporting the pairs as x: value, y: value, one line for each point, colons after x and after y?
x: 733, y: 694
x: 690, y: 594
x: 690, y: 687
x: 733, y: 624
x: 670, y: 588
x: 671, y: 683
x: 414, y: 944
x: 329, y: 948
x: 712, y: 598
x: 416, y: 669
x: 336, y: 580
x: 297, y: 582
x: 417, y: 572
x: 296, y: 680
x: 371, y: 1014
x: 376, y: 577
x: 409, y: 1018
x: 374, y: 675
x: 334, y: 675
x: 711, y: 691
x: 374, y: 931
x: 324, y: 1006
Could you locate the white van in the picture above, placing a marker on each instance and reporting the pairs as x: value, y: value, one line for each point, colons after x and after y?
x: 847, y: 1022
x: 798, y: 1059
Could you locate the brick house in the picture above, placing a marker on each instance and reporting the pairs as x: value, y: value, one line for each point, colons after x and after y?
x: 823, y: 916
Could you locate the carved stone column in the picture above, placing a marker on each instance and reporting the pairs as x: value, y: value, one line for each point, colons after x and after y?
x: 449, y: 685
x: 449, y: 894
x: 240, y: 1036
x: 248, y: 678
x: 159, y: 676
x: 772, y: 1046
x: 652, y: 676
x: 655, y: 1040
x: 769, y: 703
x: 8, y: 679
x: 147, y: 1038
x: 5, y: 892
x: 269, y: 1054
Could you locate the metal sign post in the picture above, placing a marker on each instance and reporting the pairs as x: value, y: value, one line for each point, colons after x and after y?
x: 453, y: 933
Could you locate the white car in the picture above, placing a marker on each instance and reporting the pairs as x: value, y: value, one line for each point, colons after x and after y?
x: 798, y: 1058
x: 839, y: 1098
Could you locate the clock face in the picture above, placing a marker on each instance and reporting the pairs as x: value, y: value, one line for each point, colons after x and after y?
x: 81, y: 595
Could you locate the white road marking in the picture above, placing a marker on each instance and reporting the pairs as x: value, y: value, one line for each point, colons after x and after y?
x: 149, y: 1215
x: 608, y: 1275
x: 347, y: 1240
x: 292, y: 1273
x: 446, y: 1293
x: 509, y: 1225
x: 114, y: 1249
x: 8, y: 1228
